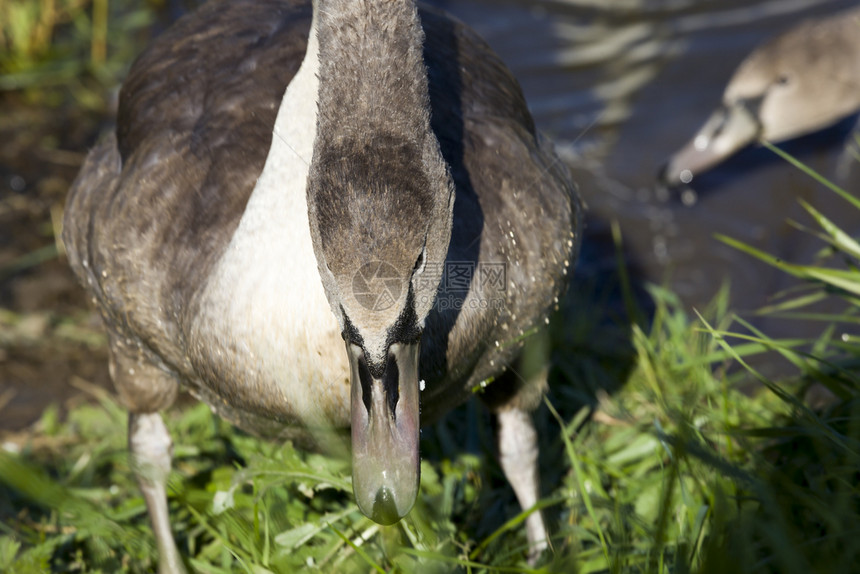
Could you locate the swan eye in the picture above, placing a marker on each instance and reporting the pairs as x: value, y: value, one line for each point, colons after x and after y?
x: 783, y: 80
x: 420, y: 262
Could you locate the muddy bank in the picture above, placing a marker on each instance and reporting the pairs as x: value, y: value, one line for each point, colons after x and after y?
x: 49, y: 337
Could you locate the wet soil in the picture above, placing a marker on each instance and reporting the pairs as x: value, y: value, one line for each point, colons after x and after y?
x: 50, y: 339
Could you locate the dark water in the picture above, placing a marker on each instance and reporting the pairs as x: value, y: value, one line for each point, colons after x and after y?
x: 620, y: 85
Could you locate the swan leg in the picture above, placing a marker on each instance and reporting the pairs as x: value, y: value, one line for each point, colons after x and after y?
x: 518, y: 456
x: 151, y: 452
x: 512, y: 397
x: 145, y: 388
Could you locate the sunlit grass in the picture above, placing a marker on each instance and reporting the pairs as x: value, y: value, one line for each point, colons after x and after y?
x: 653, y: 459
x: 678, y: 471
x: 52, y: 48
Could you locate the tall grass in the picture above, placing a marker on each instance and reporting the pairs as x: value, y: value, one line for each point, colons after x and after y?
x: 678, y: 471
x: 52, y: 46
x: 653, y: 458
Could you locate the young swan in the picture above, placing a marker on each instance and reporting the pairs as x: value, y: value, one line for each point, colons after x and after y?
x: 308, y: 214
x: 800, y: 82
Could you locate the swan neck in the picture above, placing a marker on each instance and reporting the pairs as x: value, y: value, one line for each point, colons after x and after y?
x: 371, y: 69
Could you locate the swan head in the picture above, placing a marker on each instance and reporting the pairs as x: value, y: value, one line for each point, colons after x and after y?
x: 380, y: 215
x: 796, y: 84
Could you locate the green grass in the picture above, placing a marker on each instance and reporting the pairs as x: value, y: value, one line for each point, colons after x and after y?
x: 653, y: 459
x: 53, y: 49
x: 678, y: 471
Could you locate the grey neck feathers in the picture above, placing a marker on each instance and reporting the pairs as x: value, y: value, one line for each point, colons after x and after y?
x: 372, y: 74
x: 378, y: 187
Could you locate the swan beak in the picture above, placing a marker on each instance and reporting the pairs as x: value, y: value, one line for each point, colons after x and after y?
x: 730, y: 128
x: 385, y: 416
